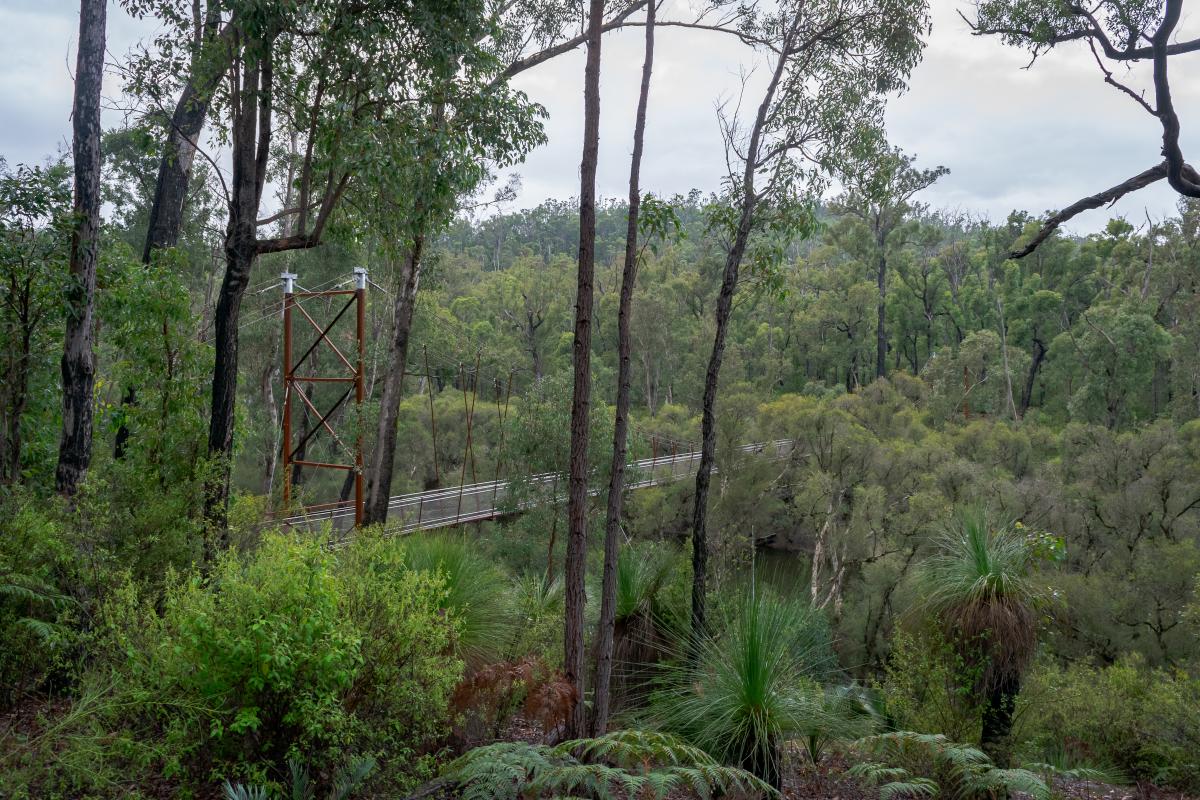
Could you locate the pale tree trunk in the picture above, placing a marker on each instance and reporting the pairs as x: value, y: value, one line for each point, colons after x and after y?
x: 1012, y: 406
x: 179, y: 150
x: 616, y: 484
x: 379, y: 479
x: 577, y: 489
x: 271, y: 456
x: 79, y: 358
x: 881, y: 342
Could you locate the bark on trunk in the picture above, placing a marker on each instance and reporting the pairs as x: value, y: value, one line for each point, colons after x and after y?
x: 179, y: 150
x: 708, y: 426
x: 379, y: 479
x: 577, y: 490
x: 79, y: 360
x: 251, y: 144
x: 616, y: 484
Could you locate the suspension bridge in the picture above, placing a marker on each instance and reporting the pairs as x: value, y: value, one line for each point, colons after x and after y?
x: 476, y: 502
x: 450, y: 505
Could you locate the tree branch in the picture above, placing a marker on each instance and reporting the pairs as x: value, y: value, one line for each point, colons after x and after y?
x: 1107, y: 197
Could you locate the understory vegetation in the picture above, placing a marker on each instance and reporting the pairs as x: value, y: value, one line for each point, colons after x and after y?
x: 795, y: 488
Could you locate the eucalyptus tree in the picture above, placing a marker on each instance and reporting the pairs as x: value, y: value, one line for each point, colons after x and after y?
x: 358, y: 86
x: 832, y: 64
x: 1118, y: 33
x: 879, y: 194
x: 79, y: 356
x: 616, y: 484
x: 577, y: 472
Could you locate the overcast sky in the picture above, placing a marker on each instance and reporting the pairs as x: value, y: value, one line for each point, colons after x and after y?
x: 1013, y: 138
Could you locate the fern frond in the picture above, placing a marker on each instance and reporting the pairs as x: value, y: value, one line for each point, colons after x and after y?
x: 1012, y: 780
x: 913, y: 787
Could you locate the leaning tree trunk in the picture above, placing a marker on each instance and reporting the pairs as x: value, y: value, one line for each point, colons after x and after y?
x: 79, y: 358
x: 708, y: 424
x: 379, y: 480
x: 577, y: 489
x: 616, y: 483
x: 174, y: 174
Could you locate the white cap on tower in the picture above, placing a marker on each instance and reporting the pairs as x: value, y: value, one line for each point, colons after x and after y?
x: 289, y: 282
x: 360, y: 277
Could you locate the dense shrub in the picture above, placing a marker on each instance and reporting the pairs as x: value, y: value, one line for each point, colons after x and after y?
x: 927, y: 687
x: 1142, y: 721
x: 292, y: 651
x: 36, y: 617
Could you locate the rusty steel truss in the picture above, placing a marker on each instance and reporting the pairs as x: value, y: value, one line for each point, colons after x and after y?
x: 293, y: 385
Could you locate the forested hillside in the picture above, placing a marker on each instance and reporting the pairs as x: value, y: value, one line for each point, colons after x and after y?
x: 938, y: 534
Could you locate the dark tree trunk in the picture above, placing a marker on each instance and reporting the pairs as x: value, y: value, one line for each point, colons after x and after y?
x: 708, y: 425
x: 79, y: 359
x: 379, y: 479
x: 616, y: 484
x: 174, y: 174
x: 251, y: 144
x: 998, y: 719
x: 577, y: 489
x: 179, y: 150
x: 1039, y: 355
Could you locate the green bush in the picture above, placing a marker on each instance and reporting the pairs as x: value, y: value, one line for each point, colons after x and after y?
x: 37, y: 619
x: 927, y: 687
x: 293, y: 651
x: 1142, y: 721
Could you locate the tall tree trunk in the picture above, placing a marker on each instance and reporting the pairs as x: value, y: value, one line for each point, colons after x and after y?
x: 577, y: 489
x: 267, y: 386
x: 616, y: 483
x: 379, y: 479
x: 1008, y: 384
x: 79, y: 358
x: 251, y: 144
x: 881, y: 341
x: 708, y: 425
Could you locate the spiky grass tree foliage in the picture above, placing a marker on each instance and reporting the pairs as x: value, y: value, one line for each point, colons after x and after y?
x: 477, y: 593
x: 752, y: 685
x: 978, y: 588
x: 645, y: 622
x: 912, y: 765
x: 624, y: 764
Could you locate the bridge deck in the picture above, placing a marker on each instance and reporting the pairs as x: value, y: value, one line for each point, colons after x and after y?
x: 442, y: 508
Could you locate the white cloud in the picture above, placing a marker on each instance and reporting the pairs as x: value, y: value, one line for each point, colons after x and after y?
x: 1014, y: 138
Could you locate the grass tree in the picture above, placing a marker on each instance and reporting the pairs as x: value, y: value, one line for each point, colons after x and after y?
x: 753, y: 685
x: 977, y: 586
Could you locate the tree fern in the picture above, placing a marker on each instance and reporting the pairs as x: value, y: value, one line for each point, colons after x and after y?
x: 623, y: 764
x: 907, y: 764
